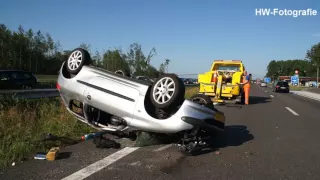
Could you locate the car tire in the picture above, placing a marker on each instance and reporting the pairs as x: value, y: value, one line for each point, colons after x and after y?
x: 77, y: 59
x: 122, y: 72
x: 159, y: 92
x: 203, y: 100
x: 26, y: 87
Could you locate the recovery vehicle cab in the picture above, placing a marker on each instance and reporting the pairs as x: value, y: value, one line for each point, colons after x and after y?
x: 221, y: 82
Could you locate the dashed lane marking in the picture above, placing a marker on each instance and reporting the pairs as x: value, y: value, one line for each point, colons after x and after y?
x: 292, y: 111
x: 163, y: 147
x: 97, y: 166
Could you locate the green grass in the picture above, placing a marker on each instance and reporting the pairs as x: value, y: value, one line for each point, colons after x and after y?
x: 298, y: 88
x: 23, y: 122
x: 47, y: 78
x: 190, y: 91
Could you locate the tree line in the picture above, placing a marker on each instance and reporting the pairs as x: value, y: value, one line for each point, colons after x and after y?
x: 37, y: 52
x: 307, y: 67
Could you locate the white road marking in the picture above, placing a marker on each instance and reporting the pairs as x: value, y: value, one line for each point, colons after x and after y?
x: 292, y: 111
x: 271, y: 96
x: 97, y: 166
x: 265, y: 91
x: 163, y: 147
x: 306, y: 94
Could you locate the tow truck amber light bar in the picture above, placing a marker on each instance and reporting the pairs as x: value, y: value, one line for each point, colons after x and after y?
x: 227, y: 61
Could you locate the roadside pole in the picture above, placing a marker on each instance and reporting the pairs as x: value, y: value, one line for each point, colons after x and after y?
x: 317, y: 76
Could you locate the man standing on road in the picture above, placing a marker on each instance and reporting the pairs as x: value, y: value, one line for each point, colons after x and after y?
x: 246, y: 86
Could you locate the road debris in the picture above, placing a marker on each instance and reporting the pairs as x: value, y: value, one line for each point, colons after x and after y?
x: 103, y: 142
x: 52, y: 154
x: 40, y: 156
x: 92, y: 135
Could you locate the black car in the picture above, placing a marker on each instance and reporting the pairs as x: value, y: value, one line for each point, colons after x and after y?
x: 188, y: 81
x: 281, y: 86
x: 16, y: 79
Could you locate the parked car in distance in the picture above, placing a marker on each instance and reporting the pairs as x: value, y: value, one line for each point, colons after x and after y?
x: 263, y: 84
x: 17, y: 79
x: 281, y: 86
x: 188, y: 81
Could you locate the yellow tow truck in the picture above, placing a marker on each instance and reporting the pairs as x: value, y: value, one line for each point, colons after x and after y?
x: 220, y: 83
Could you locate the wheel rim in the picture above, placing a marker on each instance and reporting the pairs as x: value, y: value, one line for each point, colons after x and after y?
x: 120, y: 72
x: 199, y: 100
x: 164, y: 90
x: 75, y: 60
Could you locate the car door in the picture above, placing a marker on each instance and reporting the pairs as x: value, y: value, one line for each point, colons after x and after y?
x: 112, y: 96
x: 28, y: 78
x: 18, y: 79
x: 5, y: 80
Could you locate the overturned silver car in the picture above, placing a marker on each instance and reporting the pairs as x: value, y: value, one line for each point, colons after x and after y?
x: 113, y: 102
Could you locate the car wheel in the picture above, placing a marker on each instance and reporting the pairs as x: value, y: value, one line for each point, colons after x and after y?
x: 122, y: 72
x: 167, y: 91
x: 78, y: 58
x: 26, y: 87
x: 203, y: 100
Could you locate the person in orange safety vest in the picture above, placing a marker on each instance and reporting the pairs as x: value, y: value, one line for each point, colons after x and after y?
x: 246, y: 86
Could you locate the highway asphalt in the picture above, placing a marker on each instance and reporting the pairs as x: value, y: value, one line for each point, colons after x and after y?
x: 275, y: 137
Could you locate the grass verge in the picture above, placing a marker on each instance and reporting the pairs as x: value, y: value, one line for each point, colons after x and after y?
x: 47, y: 78
x: 190, y: 91
x: 23, y: 122
x: 298, y: 88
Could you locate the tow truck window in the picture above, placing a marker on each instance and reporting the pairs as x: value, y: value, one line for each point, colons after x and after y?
x: 228, y: 68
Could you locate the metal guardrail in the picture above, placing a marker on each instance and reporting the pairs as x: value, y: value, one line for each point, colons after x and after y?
x: 191, y: 85
x: 27, y: 91
x: 30, y: 93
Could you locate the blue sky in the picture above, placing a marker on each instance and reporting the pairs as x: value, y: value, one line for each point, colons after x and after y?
x: 190, y: 33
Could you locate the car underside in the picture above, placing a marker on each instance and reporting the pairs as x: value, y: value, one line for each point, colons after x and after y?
x: 113, y: 102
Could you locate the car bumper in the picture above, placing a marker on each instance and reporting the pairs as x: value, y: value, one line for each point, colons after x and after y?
x: 282, y: 90
x: 213, y: 125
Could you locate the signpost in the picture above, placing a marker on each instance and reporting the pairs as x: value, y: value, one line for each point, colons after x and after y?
x: 295, y: 79
x: 296, y: 72
x: 267, y: 80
